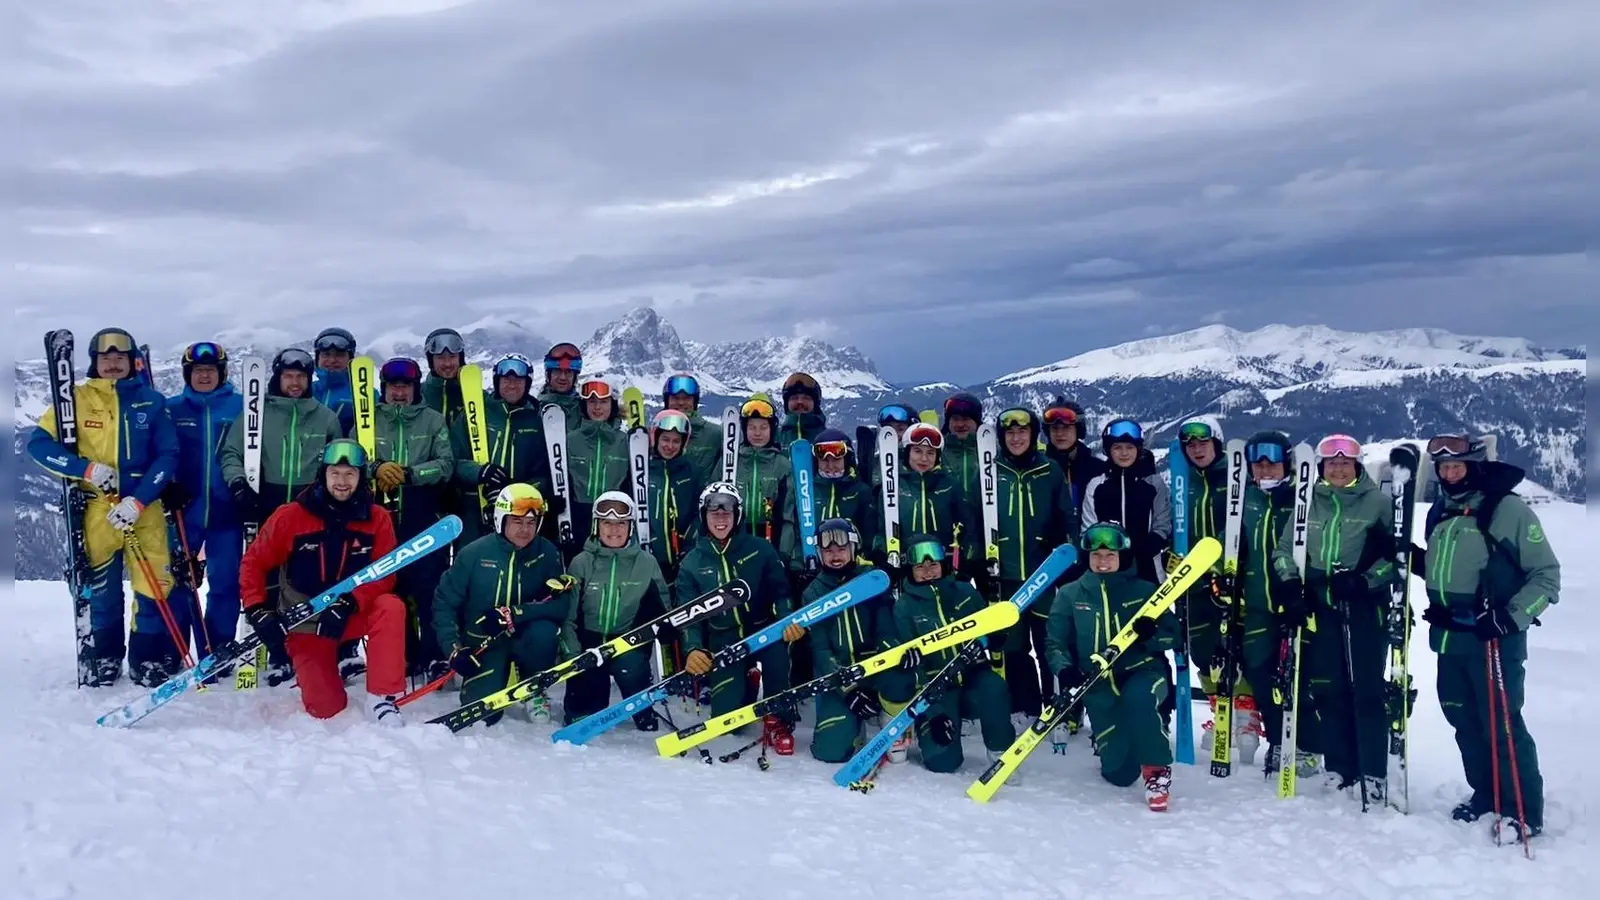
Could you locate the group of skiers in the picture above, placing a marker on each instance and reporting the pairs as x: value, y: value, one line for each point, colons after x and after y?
x: 519, y: 594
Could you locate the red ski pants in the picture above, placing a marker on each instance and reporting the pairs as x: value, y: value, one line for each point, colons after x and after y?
x: 316, y: 659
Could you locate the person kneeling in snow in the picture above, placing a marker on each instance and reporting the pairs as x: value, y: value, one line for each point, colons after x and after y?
x: 331, y: 531
x: 1125, y: 706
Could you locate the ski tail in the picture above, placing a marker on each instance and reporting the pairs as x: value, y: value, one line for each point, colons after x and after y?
x: 803, y: 475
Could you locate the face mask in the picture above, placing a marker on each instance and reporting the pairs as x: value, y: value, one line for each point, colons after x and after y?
x: 1268, y: 484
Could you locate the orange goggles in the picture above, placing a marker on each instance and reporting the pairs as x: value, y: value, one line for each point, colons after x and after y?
x: 759, y: 409
x: 831, y: 449
x: 595, y: 390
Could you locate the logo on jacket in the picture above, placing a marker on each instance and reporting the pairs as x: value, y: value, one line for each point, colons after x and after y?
x: 93, y: 423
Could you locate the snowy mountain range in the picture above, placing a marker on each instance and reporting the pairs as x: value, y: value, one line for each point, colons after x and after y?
x: 1306, y: 380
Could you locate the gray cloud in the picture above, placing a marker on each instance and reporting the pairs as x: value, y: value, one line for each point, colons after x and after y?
x: 957, y: 188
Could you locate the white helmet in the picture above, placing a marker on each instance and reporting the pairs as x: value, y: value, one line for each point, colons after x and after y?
x: 722, y: 494
x: 517, y: 500
x: 614, y: 506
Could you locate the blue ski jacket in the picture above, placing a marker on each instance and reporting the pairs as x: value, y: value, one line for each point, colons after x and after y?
x: 123, y: 424
x: 201, y: 422
x: 332, y: 389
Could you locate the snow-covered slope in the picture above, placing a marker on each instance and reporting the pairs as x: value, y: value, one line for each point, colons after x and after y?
x: 224, y: 783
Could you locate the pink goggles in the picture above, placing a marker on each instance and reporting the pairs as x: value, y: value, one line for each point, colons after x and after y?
x: 1336, y: 445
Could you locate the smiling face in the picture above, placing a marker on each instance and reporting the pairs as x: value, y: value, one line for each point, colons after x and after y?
x: 114, y: 365
x: 758, y: 432
x: 203, y: 378
x: 669, y: 444
x: 1339, y: 471
x: 447, y: 365
x: 598, y: 409
x: 922, y: 458
x: 719, y: 523
x: 341, y: 481
x: 614, y: 534
x: 1018, y: 440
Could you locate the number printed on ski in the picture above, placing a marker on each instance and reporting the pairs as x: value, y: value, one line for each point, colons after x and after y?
x: 437, y: 536
x: 805, y: 502
x: 1183, y: 707
x: 1196, y: 564
x: 989, y: 485
x: 730, y: 444
x: 1229, y: 628
x: 59, y: 346
x: 1408, y: 479
x: 555, y: 445
x: 639, y: 478
x: 857, y: 590
x: 1288, y: 681
x: 889, y: 492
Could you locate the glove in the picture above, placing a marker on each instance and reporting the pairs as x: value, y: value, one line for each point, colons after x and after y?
x: 1441, y: 617
x: 1070, y: 678
x: 268, y: 626
x: 175, y: 496
x: 333, y: 621
x: 1144, y: 627
x: 556, y: 503
x: 792, y: 633
x: 863, y: 703
x: 697, y: 663
x: 390, y: 476
x: 1494, y: 624
x: 911, y: 660
x: 246, y: 499
x: 1296, y: 612
x: 101, y: 477
x: 561, y: 583
x: 943, y: 730
x: 497, y: 621
x: 464, y: 663
x: 125, y: 513
x: 1348, y: 585
x: 1418, y: 559
x: 1171, y: 561
x: 492, y: 478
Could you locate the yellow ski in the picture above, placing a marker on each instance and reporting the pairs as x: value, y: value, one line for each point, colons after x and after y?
x: 364, y: 398
x: 477, y: 422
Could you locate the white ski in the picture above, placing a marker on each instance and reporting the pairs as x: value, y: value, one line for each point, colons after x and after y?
x: 555, y: 444
x: 1305, y: 475
x: 639, y: 460
x: 730, y: 444
x: 889, y: 491
x: 989, y: 486
x: 253, y: 376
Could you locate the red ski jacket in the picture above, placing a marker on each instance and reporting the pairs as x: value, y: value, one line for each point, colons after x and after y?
x: 312, y: 548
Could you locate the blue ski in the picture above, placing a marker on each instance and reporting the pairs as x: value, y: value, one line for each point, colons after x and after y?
x: 851, y: 774
x: 1183, y: 721
x: 439, y: 535
x: 805, y: 502
x: 856, y: 590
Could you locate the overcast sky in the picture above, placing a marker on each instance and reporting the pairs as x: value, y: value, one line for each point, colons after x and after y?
x: 958, y: 188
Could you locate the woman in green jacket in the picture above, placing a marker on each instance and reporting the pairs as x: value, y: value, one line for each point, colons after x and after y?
x: 930, y: 502
x: 837, y: 494
x: 503, y: 601
x: 597, y: 449
x: 1124, y: 708
x: 763, y: 475
x: 673, y: 492
x: 1206, y: 460
x: 619, y: 586
x: 1342, y: 604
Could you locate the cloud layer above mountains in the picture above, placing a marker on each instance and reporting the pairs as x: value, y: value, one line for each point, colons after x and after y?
x: 958, y: 188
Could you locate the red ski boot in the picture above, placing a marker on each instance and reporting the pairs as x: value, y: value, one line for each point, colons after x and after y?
x: 1157, y: 786
x: 777, y: 735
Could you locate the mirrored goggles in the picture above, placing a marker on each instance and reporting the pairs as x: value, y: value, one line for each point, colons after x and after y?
x: 1125, y: 429
x: 1338, y: 445
x: 1272, y: 453
x: 893, y: 414
x: 513, y: 365
x: 926, y: 551
x: 344, y: 453
x: 595, y: 390
x: 613, y: 510
x: 836, y: 537
x: 1060, y: 415
x: 832, y: 449
x: 759, y: 409
x: 1106, y: 537
x: 682, y: 384
x: 445, y: 342
x: 1016, y: 418
x: 1192, y: 432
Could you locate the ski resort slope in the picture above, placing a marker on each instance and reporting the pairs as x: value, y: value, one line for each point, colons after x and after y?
x: 243, y: 794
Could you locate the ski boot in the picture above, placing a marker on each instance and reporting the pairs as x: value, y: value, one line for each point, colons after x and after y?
x: 1377, y: 790
x: 537, y: 708
x: 1061, y: 735
x: 384, y: 710
x: 1248, y: 730
x: 105, y: 672
x: 152, y: 673
x: 1469, y: 810
x: 1307, y: 765
x: 647, y: 721
x: 1157, y: 787
x: 900, y: 748
x: 1274, y: 760
x: 778, y: 734
x: 350, y: 662
x: 1511, y: 830
x: 1206, y: 737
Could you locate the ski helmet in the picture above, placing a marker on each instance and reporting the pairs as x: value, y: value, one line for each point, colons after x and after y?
x: 802, y: 383
x: 1202, y: 428
x: 443, y: 340
x: 681, y: 383
x: 516, y: 365
x: 403, y: 370
x: 1018, y: 417
x: 722, y: 495
x: 113, y: 340
x: 289, y: 358
x: 1121, y: 431
x: 335, y: 339
x: 921, y: 548
x: 1268, y: 446
x: 1109, y: 535
x: 343, y: 452
x: 838, y: 533
x: 923, y: 434
x: 962, y: 404
x: 758, y: 408
x: 519, y: 500
x: 670, y: 420
x: 205, y: 353
x: 614, y: 506
x: 1066, y: 412
x: 564, y: 355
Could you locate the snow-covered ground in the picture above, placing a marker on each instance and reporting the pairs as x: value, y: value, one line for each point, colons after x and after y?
x: 243, y: 795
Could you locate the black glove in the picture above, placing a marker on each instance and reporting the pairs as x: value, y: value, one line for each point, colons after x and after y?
x: 268, y: 626
x: 911, y: 660
x: 1295, y: 610
x: 863, y: 703
x: 1418, y: 557
x: 1441, y: 617
x: 1495, y: 623
x: 1070, y: 678
x: 175, y: 497
x: 556, y: 504
x: 497, y: 621
x: 1348, y: 585
x: 247, y: 501
x: 464, y: 663
x: 492, y: 478
x: 333, y: 621
x: 1143, y: 627
x: 943, y: 730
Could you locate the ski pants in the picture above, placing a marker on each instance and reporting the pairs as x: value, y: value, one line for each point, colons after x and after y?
x: 1029, y: 680
x: 316, y: 664
x: 1205, y: 619
x: 223, y: 546
x: 982, y: 696
x: 533, y: 647
x: 587, y: 692
x: 1348, y: 691
x: 834, y: 738
x: 1126, y: 718
x: 730, y: 684
x: 1465, y: 693
x: 416, y: 584
x: 108, y: 560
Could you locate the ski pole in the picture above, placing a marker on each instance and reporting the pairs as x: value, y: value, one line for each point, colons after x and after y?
x: 1497, y: 674
x: 1350, y: 683
x: 194, y: 583
x: 444, y: 679
x: 1494, y: 745
x: 130, y: 545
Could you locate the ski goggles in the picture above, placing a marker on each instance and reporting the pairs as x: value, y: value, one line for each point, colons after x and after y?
x: 1106, y: 537
x: 335, y: 340
x: 926, y: 551
x: 832, y: 449
x: 295, y: 358
x: 564, y: 356
x: 446, y: 342
x: 1338, y: 445
x: 837, y: 537
x: 682, y: 384
x: 513, y: 365
x: 1447, y: 445
x: 894, y: 414
x: 400, y: 369
x: 1061, y: 415
x: 112, y: 342
x: 522, y: 504
x: 721, y: 502
x: 595, y: 390
x: 1125, y: 430
x: 672, y: 420
x: 344, y: 452
x: 1272, y: 453
x: 204, y: 353
x: 1016, y: 418
x: 613, y: 511
x: 961, y: 406
x: 923, y: 435
x: 1194, y: 432
x: 757, y: 409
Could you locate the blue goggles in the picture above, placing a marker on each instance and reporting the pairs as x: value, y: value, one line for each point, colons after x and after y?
x: 1125, y: 429
x: 682, y: 384
x: 512, y: 366
x: 892, y: 413
x: 204, y: 353
x: 1271, y: 453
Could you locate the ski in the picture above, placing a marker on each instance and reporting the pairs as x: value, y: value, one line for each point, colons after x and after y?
x: 1288, y: 682
x: 989, y: 487
x: 866, y: 448
x: 860, y: 766
x: 729, y: 596
x: 730, y: 444
x: 888, y: 449
x: 929, y: 416
x: 253, y: 377
x: 992, y: 618
x: 363, y: 400
x: 639, y: 478
x: 476, y: 420
x: 805, y: 502
x: 59, y: 346
x: 437, y: 536
x: 1408, y: 479
x: 1228, y: 630
x: 856, y: 590
x: 1183, y: 708
x: 1196, y: 563
x: 555, y: 445
x: 633, y: 408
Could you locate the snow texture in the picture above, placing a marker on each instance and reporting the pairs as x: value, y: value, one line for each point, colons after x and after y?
x: 243, y: 794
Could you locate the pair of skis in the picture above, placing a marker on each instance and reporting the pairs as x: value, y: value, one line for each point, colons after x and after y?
x: 1408, y: 479
x: 1229, y: 630
x: 1287, y: 688
x: 58, y: 349
x: 887, y: 450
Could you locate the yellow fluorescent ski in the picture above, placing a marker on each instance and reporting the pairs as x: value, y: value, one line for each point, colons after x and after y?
x: 995, y: 617
x: 471, y: 381
x: 363, y: 391
x: 1202, y: 556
